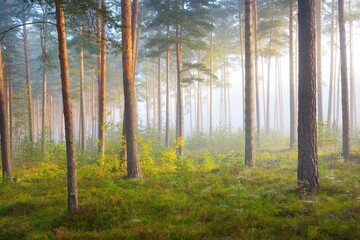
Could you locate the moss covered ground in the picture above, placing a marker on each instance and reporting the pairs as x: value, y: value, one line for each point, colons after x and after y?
x: 205, y: 195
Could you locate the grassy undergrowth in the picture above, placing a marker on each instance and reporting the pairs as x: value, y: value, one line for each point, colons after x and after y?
x: 203, y: 196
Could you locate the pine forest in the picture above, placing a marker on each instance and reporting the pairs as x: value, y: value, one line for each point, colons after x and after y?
x: 179, y: 119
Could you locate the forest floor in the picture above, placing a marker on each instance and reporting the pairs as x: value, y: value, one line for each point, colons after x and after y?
x: 205, y: 196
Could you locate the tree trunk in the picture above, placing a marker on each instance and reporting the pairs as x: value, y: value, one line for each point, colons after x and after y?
x: 308, y: 176
x: 102, y: 89
x: 82, y: 96
x: 133, y: 164
x: 28, y: 81
x: 292, y: 77
x: 4, y: 128
x: 249, y: 88
x: 73, y: 204
x: 344, y: 83
x: 180, y: 108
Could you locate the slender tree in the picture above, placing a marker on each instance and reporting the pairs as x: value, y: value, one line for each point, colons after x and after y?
x: 69, y: 126
x: 28, y: 82
x: 4, y: 127
x: 133, y: 164
x: 102, y: 88
x: 308, y: 176
x: 249, y: 88
x: 344, y: 83
x: 179, y: 105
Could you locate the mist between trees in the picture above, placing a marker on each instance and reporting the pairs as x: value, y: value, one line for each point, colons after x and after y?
x: 169, y: 71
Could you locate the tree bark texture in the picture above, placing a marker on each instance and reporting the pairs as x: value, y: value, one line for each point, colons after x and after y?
x: 72, y: 200
x: 344, y: 82
x: 4, y: 128
x: 308, y: 176
x: 133, y: 164
x: 28, y: 82
x: 102, y: 89
x: 249, y: 88
x: 180, y: 107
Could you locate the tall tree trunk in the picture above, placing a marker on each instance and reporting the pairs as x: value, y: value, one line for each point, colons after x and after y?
x: 73, y: 204
x: 168, y: 61
x: 28, y: 81
x: 180, y: 107
x: 344, y: 83
x: 102, y: 89
x: 292, y: 77
x: 258, y: 127
x: 82, y: 96
x: 133, y: 164
x: 332, y: 78
x: 308, y: 176
x: 4, y: 128
x: 249, y: 87
x: 319, y: 58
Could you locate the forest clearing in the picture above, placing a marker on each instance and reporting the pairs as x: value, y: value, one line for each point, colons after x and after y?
x: 179, y: 119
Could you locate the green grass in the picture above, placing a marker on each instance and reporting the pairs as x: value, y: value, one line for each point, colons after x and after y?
x: 203, y: 196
